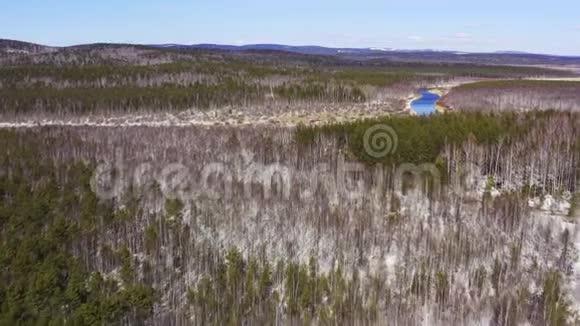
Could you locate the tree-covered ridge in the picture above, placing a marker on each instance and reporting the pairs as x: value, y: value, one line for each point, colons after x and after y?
x: 522, y: 83
x: 145, y: 54
x: 43, y: 221
x: 515, y: 95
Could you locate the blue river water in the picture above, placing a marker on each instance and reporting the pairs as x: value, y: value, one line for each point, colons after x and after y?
x: 426, y: 104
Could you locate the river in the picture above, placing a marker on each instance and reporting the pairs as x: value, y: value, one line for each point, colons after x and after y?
x: 425, y: 105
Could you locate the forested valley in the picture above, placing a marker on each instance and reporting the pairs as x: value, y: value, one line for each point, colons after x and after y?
x: 160, y: 186
x: 120, y: 79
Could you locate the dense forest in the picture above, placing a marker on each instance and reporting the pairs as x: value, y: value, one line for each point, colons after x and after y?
x: 178, y: 87
x: 163, y: 252
x: 44, y: 223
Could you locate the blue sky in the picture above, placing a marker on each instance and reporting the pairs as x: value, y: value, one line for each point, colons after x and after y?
x: 535, y: 26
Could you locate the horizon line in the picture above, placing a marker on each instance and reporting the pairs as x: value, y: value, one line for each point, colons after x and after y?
x: 376, y: 48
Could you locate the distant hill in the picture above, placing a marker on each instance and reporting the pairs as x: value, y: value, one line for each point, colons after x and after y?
x: 306, y: 49
x: 313, y: 49
x: 12, y: 46
x: 511, y: 52
x: 426, y: 55
x: 22, y: 49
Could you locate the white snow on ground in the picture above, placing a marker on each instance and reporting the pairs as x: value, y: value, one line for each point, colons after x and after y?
x: 553, y: 213
x: 548, y: 211
x: 574, y: 284
x: 17, y: 51
x: 106, y: 123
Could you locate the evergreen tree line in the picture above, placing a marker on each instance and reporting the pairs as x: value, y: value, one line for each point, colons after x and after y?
x: 197, y: 96
x: 184, y: 72
x: 545, y: 145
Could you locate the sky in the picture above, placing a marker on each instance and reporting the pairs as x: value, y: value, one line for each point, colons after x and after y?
x: 469, y: 25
